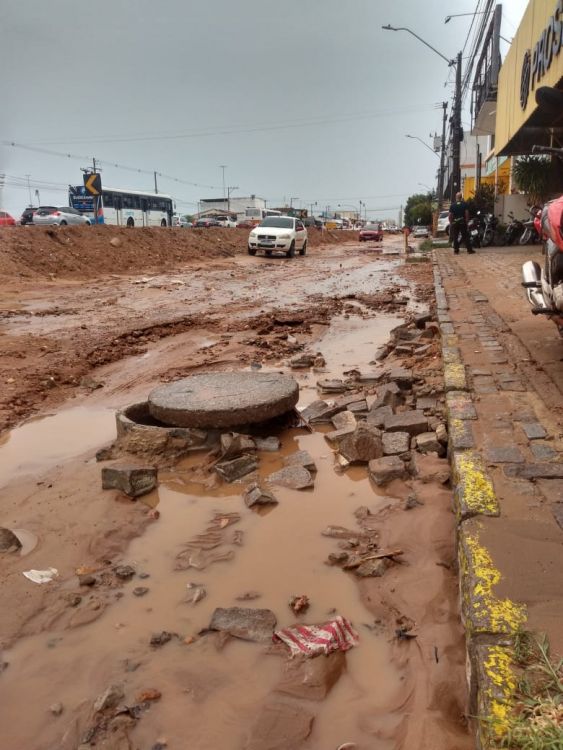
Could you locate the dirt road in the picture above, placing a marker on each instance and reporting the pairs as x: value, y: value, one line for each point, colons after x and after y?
x: 91, y: 337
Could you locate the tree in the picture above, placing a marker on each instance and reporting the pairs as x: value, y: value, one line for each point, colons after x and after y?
x: 532, y: 175
x: 418, y: 209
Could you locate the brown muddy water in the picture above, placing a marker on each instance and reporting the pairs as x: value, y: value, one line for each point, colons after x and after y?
x: 210, y: 696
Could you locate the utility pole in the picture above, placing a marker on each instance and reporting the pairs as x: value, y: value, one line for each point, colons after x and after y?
x: 155, y: 183
x: 229, y: 191
x: 456, y: 132
x: 442, y: 158
x: 223, y: 167
x: 28, y: 188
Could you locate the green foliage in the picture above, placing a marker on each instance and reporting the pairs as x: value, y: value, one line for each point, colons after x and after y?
x: 532, y: 175
x: 484, y: 199
x: 418, y: 209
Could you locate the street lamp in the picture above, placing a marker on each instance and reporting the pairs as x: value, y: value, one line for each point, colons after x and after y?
x: 456, y: 118
x: 342, y: 205
x: 291, y: 201
x: 447, y: 19
x: 416, y: 138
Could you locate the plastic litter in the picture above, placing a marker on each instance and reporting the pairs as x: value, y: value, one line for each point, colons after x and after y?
x: 41, y: 576
x: 311, y: 640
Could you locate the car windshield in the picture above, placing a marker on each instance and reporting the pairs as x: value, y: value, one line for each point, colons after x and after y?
x: 277, y: 221
x: 371, y: 227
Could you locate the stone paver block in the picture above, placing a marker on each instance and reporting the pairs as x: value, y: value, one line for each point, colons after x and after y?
x: 473, y: 489
x: 533, y: 430
x: 224, y: 399
x: 504, y: 453
x: 460, y: 435
x: 247, y: 624
x: 293, y: 477
x: 344, y: 420
x: 454, y: 377
x: 483, y: 612
x: 495, y: 685
x: 460, y: 405
x: 383, y: 470
x: 395, y: 443
x: 447, y: 329
x: 451, y: 355
x: 484, y: 385
x: 301, y: 458
x: 543, y: 452
x: 427, y: 442
x: 236, y: 468
x: 377, y: 417
x: 413, y: 422
x: 535, y: 471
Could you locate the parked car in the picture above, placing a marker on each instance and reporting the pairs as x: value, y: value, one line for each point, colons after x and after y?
x: 27, y: 215
x: 226, y: 221
x: 206, y: 223
x: 443, y: 224
x: 371, y: 233
x: 420, y: 233
x: 245, y: 224
x: 284, y: 233
x: 60, y: 215
x: 180, y: 221
x: 6, y: 219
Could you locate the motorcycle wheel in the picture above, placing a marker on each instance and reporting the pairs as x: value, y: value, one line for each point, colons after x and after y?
x: 488, y: 238
x: 525, y: 237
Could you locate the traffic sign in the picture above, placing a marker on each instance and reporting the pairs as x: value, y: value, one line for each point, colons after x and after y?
x: 93, y: 183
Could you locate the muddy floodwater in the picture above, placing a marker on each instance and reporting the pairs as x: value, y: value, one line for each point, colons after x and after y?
x: 394, y: 693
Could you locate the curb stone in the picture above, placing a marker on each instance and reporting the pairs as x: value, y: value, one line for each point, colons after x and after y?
x: 489, y: 622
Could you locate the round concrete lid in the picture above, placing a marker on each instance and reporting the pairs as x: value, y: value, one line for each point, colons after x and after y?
x: 224, y: 399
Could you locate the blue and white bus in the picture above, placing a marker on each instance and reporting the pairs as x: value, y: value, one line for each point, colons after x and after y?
x: 128, y: 208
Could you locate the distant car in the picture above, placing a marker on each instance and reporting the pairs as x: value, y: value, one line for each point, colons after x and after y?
x: 6, y: 219
x: 27, y: 215
x: 420, y: 232
x: 226, y: 221
x: 284, y: 233
x: 371, y: 233
x: 443, y: 222
x: 61, y: 215
x: 180, y: 221
x: 206, y: 223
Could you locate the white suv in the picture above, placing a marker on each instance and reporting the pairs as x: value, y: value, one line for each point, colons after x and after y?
x: 226, y: 221
x: 279, y: 233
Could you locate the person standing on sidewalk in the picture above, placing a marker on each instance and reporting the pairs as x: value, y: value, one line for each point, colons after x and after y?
x: 459, y: 219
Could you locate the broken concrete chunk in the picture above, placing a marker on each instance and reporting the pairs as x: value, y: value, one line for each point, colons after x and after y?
x: 344, y: 420
x: 302, y: 360
x: 134, y: 481
x: 294, y: 477
x: 387, y: 395
x: 373, y: 568
x: 320, y: 411
x: 383, y: 470
x: 247, y: 624
x: 269, y: 444
x: 236, y: 468
x: 312, y: 679
x: 377, y: 417
x: 413, y: 422
x: 427, y: 442
x: 395, y: 443
x: 358, y: 407
x: 233, y: 444
x: 109, y: 698
x: 255, y: 495
x: 9, y: 541
x: 361, y: 445
x: 331, y: 385
x: 421, y: 320
x: 301, y: 458
x: 401, y: 376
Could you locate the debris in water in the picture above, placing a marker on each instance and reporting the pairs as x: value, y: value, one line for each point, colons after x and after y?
x: 159, y: 639
x: 255, y: 495
x: 41, y: 576
x: 247, y: 624
x: 140, y: 591
x: 149, y: 695
x: 196, y: 592
x: 311, y: 640
x: 299, y: 603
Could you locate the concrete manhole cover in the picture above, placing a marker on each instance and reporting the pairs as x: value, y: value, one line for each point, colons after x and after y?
x: 224, y: 399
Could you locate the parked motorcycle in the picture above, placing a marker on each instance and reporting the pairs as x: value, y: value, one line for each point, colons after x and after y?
x: 514, y: 230
x: 474, y: 230
x: 544, y: 286
x: 489, y: 227
x: 530, y: 235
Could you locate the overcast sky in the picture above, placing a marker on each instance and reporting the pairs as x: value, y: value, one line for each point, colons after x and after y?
x: 307, y: 100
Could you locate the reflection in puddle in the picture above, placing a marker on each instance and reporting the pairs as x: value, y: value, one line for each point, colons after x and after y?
x: 40, y: 444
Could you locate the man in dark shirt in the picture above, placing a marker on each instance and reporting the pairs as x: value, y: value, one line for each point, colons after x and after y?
x: 459, y: 218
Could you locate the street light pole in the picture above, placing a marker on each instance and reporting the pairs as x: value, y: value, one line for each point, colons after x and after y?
x: 442, y: 158
x: 456, y: 115
x: 416, y: 138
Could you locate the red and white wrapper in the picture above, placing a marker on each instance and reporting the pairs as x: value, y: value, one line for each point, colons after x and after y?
x: 311, y: 640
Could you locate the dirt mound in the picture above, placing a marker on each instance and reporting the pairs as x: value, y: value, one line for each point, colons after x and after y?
x: 94, y: 251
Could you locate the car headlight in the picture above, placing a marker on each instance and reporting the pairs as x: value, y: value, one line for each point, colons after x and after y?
x: 284, y: 237
x: 254, y: 234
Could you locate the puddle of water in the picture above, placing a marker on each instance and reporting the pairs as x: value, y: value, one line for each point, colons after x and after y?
x: 40, y: 444
x: 211, y: 697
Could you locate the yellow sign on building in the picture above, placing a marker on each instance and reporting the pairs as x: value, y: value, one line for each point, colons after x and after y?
x: 535, y: 59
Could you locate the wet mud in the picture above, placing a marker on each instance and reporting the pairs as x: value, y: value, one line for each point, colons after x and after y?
x: 194, y: 546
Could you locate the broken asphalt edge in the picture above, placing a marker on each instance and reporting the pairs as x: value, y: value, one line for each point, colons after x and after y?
x: 490, y: 623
